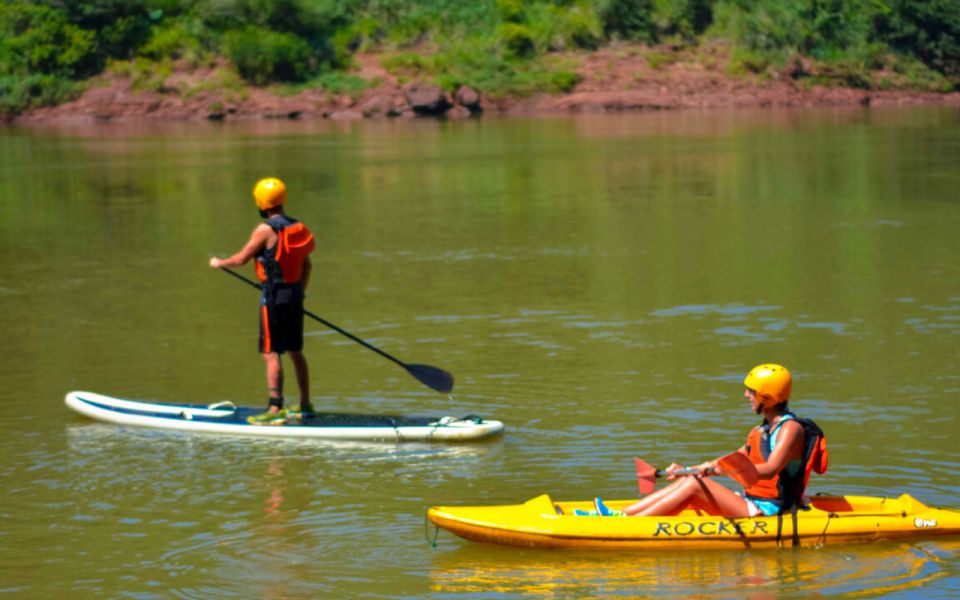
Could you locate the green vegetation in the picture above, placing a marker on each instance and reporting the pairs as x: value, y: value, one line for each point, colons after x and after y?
x: 49, y: 49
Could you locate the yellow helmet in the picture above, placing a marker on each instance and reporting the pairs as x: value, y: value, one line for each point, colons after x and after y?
x: 269, y: 193
x: 770, y: 382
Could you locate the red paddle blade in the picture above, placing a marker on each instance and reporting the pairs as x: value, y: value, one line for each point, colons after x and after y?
x: 740, y: 468
x: 646, y: 477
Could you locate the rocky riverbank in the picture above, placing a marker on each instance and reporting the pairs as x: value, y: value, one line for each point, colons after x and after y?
x: 609, y: 80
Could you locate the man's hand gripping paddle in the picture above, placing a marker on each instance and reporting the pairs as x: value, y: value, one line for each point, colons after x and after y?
x: 735, y: 465
x: 431, y: 377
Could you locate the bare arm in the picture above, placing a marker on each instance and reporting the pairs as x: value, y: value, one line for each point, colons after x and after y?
x: 712, y: 467
x: 260, y: 237
x: 789, y: 447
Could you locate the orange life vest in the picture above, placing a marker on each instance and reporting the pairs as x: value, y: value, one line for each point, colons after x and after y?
x: 282, y: 265
x: 786, y: 489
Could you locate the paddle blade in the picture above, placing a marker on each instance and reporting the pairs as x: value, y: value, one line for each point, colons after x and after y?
x: 646, y: 477
x: 740, y: 468
x: 432, y: 377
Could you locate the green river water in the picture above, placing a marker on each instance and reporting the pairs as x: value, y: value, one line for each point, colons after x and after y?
x: 599, y: 283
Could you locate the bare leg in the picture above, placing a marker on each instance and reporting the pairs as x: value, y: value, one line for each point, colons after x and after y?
x: 691, y: 491
x: 652, y: 498
x: 303, y: 376
x: 274, y: 377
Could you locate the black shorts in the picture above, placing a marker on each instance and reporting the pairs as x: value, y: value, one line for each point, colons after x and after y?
x: 281, y: 328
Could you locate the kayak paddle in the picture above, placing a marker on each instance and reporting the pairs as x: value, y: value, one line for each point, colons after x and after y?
x: 736, y: 465
x: 432, y: 377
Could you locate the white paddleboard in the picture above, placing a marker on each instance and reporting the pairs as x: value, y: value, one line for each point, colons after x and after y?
x: 224, y: 417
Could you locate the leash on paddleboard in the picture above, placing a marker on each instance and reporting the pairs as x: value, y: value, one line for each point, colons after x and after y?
x: 426, y: 531
x: 432, y: 377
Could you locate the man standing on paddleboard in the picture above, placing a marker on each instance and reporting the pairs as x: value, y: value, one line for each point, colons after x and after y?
x: 281, y: 246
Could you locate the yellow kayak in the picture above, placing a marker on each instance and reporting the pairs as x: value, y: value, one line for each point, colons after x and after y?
x: 541, y: 522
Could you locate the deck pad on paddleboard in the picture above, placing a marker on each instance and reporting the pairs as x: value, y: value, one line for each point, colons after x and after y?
x: 224, y: 417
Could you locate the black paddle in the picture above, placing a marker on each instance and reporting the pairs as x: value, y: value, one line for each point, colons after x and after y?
x: 432, y: 377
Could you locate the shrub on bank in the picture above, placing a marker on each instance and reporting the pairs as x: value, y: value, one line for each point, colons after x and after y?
x: 926, y: 29
x: 263, y: 56
x: 18, y: 92
x: 847, y: 38
x: 177, y: 39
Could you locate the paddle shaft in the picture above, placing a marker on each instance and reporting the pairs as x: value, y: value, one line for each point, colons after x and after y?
x: 415, y: 370
x: 734, y: 462
x: 327, y: 323
x: 687, y: 471
x: 735, y: 465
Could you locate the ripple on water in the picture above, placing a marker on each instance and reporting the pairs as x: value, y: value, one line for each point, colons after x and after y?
x: 869, y: 571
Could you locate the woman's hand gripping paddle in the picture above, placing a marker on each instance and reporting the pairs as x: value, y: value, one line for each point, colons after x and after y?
x: 735, y: 465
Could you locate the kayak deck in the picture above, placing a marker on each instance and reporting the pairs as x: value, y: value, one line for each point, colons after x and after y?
x: 224, y: 417
x: 541, y: 522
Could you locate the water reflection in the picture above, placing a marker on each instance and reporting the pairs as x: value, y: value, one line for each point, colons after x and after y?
x: 88, y: 442
x: 268, y: 512
x: 868, y: 571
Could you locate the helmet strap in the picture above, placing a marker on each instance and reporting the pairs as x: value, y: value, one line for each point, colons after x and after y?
x: 781, y: 405
x: 276, y: 210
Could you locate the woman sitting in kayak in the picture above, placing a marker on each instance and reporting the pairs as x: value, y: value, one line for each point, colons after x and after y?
x: 777, y: 449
